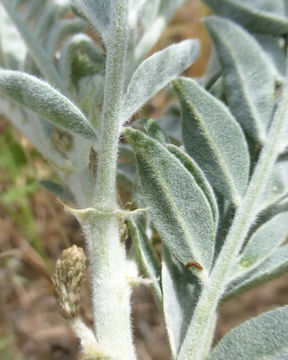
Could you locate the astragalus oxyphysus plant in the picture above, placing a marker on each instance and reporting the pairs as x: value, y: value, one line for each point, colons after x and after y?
x: 215, y: 192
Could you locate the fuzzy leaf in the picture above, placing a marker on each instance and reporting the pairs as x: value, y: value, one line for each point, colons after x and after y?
x: 248, y: 76
x: 135, y: 8
x: 36, y: 129
x: 213, y: 139
x: 275, y: 54
x: 149, y: 12
x: 12, y: 47
x: 161, y: 14
x: 217, y: 89
x: 61, y: 191
x: 97, y: 12
x: 153, y: 129
x: 260, y: 16
x: 78, y: 43
x: 156, y: 72
x: 277, y: 186
x: 200, y: 178
x: 179, y: 289
x: 264, y: 242
x: 274, y: 266
x: 145, y: 256
x: 33, y: 9
x: 126, y: 176
x: 55, y: 10
x: 60, y: 31
x: 45, y: 101
x: 179, y: 209
x: 264, y: 337
x: 171, y: 123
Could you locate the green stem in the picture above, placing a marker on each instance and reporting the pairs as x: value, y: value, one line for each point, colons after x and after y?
x: 110, y: 288
x: 111, y: 291
x: 105, y: 195
x: 194, y: 346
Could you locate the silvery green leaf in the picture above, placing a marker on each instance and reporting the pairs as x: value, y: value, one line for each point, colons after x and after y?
x: 180, y: 290
x: 90, y: 93
x: 261, y: 338
x: 59, y: 190
x: 217, y: 89
x: 199, y: 177
x: 263, y: 243
x: 128, y: 170
x: 135, y: 8
x: 125, y: 186
x: 149, y: 12
x: 248, y: 76
x: 277, y: 186
x: 82, y: 183
x: 171, y: 123
x: 79, y: 42
x: 19, y: 2
x: 275, y: 54
x: 36, y: 129
x: 55, y: 10
x: 226, y: 215
x: 60, y: 30
x: 44, y: 63
x: 213, y: 139
x: 156, y: 72
x: 145, y: 256
x: 45, y: 101
x: 153, y: 129
x: 33, y: 9
x: 259, y: 16
x: 126, y: 153
x: 180, y: 211
x: 213, y: 70
x: 12, y: 48
x: 154, y: 30
x: 97, y: 12
x: 274, y: 266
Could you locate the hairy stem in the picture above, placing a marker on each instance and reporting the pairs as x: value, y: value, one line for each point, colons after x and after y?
x: 111, y: 292
x: 105, y: 195
x: 193, y: 347
x: 110, y: 288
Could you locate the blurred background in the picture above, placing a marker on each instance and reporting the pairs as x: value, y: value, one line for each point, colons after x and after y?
x: 34, y: 230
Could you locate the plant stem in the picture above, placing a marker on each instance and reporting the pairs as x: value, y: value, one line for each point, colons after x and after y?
x: 111, y: 291
x: 194, y: 345
x: 113, y: 99
x: 110, y: 288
